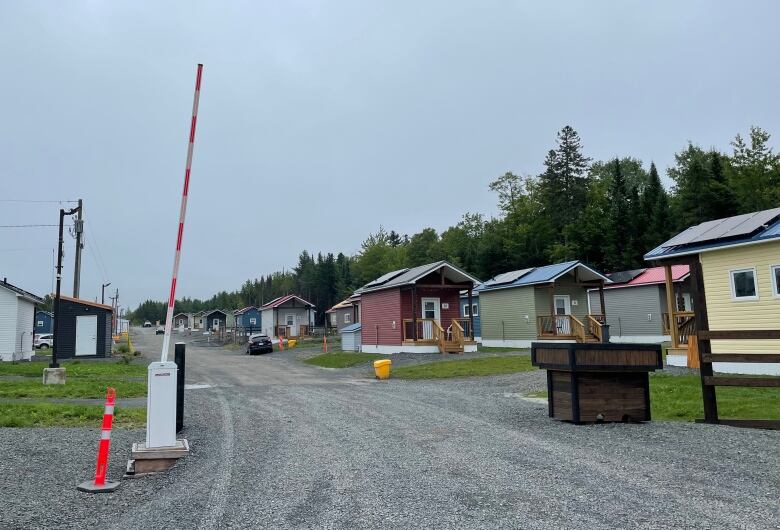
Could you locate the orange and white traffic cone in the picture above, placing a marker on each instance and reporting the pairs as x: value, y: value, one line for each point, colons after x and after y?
x: 325, y: 344
x: 281, y: 344
x: 100, y: 484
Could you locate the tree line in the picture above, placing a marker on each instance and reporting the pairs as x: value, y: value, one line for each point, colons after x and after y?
x: 607, y: 213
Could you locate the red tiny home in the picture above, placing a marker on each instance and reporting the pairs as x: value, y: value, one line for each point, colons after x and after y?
x: 417, y: 310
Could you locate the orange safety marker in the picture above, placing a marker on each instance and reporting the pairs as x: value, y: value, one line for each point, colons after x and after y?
x: 100, y: 484
x: 325, y: 343
x: 281, y: 344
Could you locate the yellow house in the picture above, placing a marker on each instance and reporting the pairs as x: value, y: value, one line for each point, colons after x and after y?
x: 737, y: 260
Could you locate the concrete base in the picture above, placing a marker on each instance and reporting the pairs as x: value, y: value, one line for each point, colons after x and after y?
x: 147, y: 460
x: 54, y: 376
x: 89, y: 486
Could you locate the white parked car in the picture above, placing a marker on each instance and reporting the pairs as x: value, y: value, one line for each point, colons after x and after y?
x: 45, y: 340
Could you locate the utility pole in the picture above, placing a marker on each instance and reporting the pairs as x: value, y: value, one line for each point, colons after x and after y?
x: 53, y: 363
x: 78, y: 227
x: 103, y: 292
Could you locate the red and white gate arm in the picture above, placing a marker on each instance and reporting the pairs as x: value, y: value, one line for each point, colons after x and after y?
x: 182, y: 215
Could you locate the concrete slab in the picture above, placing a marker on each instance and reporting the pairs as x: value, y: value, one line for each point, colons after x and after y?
x: 141, y: 452
x: 54, y: 376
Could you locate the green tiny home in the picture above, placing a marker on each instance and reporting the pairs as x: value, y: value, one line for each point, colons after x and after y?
x: 542, y: 303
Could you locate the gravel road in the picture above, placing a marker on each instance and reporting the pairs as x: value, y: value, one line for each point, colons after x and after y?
x: 280, y: 444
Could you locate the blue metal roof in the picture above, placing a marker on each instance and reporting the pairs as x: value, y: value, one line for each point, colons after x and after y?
x: 545, y: 274
x: 664, y: 250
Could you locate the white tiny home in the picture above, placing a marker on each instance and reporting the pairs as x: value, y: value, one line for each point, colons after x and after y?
x: 17, y: 322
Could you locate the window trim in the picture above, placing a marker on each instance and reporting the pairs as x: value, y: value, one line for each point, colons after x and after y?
x: 347, y: 318
x: 773, y: 277
x: 475, y: 309
x: 466, y: 310
x: 734, y: 296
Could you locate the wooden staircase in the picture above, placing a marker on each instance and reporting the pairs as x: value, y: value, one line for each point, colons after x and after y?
x: 451, y: 346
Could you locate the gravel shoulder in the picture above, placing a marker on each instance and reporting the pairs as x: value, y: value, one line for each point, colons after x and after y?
x: 280, y: 444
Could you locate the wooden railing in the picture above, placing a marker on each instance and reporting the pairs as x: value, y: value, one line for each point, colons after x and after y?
x: 595, y: 326
x: 577, y: 328
x: 303, y: 330
x: 465, y: 324
x: 570, y: 327
x: 686, y: 326
x: 457, y: 333
x: 280, y: 331
x: 438, y: 335
x: 427, y: 330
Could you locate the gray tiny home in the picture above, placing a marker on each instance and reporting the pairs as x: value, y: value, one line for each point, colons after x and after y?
x: 541, y: 303
x: 637, y: 302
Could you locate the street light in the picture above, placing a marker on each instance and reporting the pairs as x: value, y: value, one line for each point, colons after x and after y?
x: 103, y: 292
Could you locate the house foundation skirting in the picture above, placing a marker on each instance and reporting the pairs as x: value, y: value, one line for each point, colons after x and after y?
x: 525, y: 343
x: 730, y: 368
x: 640, y: 339
x: 389, y: 349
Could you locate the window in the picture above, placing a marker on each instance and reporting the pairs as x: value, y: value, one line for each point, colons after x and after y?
x: 253, y: 321
x: 775, y: 270
x: 475, y: 310
x: 429, y: 309
x: 334, y: 319
x: 347, y: 318
x: 290, y: 320
x: 40, y: 323
x: 466, y: 310
x: 743, y: 284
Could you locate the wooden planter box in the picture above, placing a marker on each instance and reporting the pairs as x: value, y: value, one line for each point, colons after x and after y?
x: 597, y: 382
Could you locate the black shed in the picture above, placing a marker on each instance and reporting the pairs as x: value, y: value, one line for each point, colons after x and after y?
x: 84, y: 329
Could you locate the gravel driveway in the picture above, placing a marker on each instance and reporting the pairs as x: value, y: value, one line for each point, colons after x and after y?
x: 280, y: 444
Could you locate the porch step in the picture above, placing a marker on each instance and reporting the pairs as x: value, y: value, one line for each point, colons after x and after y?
x: 451, y: 346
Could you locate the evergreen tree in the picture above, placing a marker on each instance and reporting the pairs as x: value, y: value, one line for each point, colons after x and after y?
x: 654, y: 208
x: 618, y: 224
x: 755, y: 172
x: 563, y: 184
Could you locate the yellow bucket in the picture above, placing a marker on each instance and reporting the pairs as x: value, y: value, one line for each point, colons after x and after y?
x: 291, y: 343
x: 382, y: 368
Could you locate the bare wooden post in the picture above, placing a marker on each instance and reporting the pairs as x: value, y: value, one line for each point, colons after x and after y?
x: 471, y: 315
x: 601, y: 300
x: 705, y: 347
x: 671, y: 305
x: 552, y: 309
x: 414, y: 313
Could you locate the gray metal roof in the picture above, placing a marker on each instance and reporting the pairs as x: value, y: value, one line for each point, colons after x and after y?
x: 410, y: 276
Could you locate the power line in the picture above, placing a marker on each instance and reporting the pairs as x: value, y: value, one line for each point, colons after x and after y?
x: 36, y: 201
x: 26, y: 226
x: 88, y: 226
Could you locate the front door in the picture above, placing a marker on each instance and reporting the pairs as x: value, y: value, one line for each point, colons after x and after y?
x: 562, y: 308
x: 215, y: 324
x: 431, y: 310
x: 292, y: 329
x: 86, y: 335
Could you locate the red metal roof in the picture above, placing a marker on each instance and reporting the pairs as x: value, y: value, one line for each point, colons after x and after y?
x: 657, y: 275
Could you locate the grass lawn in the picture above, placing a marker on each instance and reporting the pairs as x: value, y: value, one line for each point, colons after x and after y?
x: 84, y: 380
x: 500, y: 349
x: 678, y: 398
x: 465, y: 368
x: 341, y: 359
x: 61, y: 415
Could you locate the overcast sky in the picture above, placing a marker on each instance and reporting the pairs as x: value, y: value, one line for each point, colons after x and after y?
x: 321, y: 121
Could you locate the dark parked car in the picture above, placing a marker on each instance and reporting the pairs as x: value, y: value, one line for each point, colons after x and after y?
x: 159, y: 331
x: 259, y: 344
